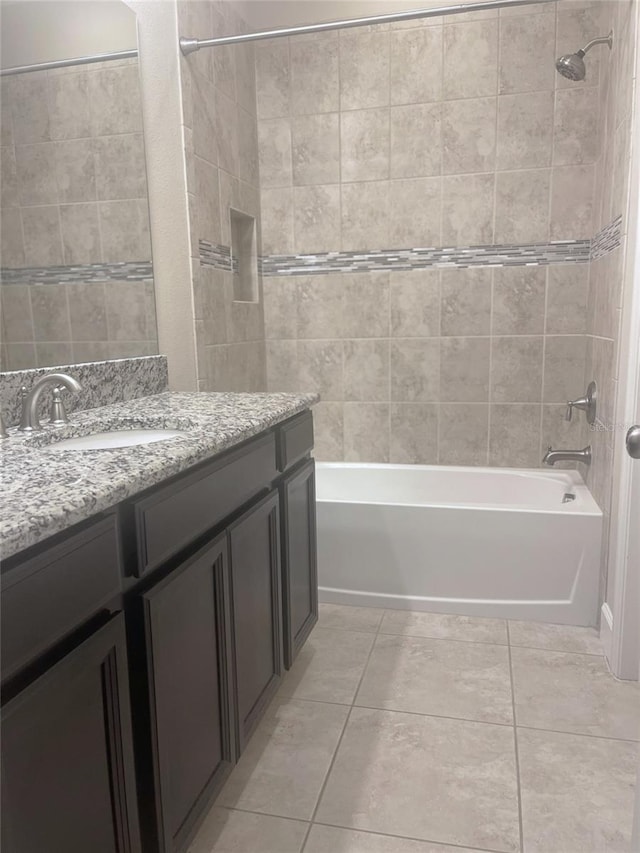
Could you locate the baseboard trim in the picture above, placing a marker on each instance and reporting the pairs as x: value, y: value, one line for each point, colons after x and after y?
x: 606, y: 631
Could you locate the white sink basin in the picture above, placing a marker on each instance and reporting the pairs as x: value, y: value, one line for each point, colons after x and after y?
x: 116, y: 438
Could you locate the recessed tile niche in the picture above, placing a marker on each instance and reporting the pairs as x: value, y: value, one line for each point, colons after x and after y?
x: 244, y: 257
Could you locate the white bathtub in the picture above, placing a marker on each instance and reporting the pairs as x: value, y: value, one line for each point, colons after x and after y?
x: 473, y: 541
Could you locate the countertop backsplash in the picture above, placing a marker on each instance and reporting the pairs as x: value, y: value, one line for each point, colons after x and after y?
x: 103, y: 383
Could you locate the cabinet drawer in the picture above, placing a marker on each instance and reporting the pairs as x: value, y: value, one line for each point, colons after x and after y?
x: 295, y: 440
x: 48, y: 596
x: 174, y: 516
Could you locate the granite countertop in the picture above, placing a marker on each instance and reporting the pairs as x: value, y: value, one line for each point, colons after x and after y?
x: 43, y: 491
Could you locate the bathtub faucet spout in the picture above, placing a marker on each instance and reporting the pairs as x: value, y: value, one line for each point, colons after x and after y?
x: 553, y: 456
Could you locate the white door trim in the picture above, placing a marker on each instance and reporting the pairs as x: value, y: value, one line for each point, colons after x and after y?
x: 623, y: 596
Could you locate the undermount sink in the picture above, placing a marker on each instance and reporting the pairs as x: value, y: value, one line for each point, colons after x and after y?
x: 116, y: 438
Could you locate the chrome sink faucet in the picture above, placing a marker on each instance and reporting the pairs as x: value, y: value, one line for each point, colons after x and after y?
x: 553, y: 456
x: 29, y: 421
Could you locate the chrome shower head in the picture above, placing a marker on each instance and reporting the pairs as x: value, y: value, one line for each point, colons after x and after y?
x: 572, y: 66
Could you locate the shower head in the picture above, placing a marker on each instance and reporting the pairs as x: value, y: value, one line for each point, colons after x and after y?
x: 572, y: 66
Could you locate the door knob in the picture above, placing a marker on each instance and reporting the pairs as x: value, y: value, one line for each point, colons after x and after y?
x: 633, y: 442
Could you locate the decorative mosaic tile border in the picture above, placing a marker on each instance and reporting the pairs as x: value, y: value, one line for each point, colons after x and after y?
x: 103, y: 382
x: 607, y: 240
x: 82, y: 273
x: 561, y: 252
x: 490, y: 255
x: 215, y: 255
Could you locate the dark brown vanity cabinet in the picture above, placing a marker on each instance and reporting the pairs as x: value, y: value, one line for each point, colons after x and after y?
x: 67, y: 759
x: 217, y: 589
x: 254, y: 545
x: 299, y: 562
x: 188, y: 655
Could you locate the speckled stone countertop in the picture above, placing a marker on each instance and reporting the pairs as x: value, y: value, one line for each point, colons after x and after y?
x: 44, y: 491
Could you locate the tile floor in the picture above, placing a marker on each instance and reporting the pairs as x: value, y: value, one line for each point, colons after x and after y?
x: 404, y: 732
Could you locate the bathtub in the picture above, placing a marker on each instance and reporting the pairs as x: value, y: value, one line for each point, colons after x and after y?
x: 512, y: 543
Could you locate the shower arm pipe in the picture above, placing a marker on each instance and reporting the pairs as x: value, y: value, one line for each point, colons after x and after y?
x: 602, y: 40
x: 67, y: 63
x: 190, y: 45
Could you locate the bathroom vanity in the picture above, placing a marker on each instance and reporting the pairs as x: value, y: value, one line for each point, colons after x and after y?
x: 141, y: 644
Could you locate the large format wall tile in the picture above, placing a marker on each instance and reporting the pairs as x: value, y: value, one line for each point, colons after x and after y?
x: 470, y: 58
x: 315, y: 74
x: 466, y: 302
x: 415, y: 149
x: 453, y: 132
x: 416, y: 66
x: 364, y: 145
x: 469, y: 135
x: 364, y: 69
x: 413, y: 433
x: 366, y: 432
x: 315, y: 146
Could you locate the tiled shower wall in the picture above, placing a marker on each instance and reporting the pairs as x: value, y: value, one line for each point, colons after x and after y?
x: 443, y: 132
x: 617, y: 95
x: 74, y: 194
x: 221, y: 150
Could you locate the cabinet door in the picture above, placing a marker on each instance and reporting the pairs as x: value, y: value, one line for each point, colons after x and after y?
x: 255, y: 582
x: 299, y: 559
x: 67, y: 763
x: 188, y: 648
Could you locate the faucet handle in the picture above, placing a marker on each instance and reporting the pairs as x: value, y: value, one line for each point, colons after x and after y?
x: 58, y: 414
x: 587, y: 404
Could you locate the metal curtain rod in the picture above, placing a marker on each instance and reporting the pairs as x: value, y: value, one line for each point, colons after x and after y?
x: 189, y: 45
x: 65, y: 63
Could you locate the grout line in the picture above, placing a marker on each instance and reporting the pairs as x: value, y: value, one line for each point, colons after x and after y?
x: 474, y: 849
x: 315, y: 701
x: 435, y: 716
x: 515, y: 743
x: 490, y: 383
x: 442, y: 639
x: 335, y: 753
x: 580, y: 734
x: 543, y: 368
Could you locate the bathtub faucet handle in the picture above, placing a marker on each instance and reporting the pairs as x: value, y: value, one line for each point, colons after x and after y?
x: 587, y: 404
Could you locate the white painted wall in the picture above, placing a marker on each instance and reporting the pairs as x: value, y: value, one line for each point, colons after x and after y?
x: 45, y: 30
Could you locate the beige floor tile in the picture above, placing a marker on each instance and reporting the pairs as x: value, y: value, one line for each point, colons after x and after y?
x: 442, y: 677
x: 284, y: 764
x: 577, y: 792
x: 573, y: 693
x: 446, y: 781
x: 329, y: 666
x: 350, y: 618
x: 443, y: 626
x: 329, y: 839
x: 559, y: 638
x: 225, y: 831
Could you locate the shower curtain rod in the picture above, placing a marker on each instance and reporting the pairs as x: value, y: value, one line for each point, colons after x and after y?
x: 66, y: 63
x: 189, y: 45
